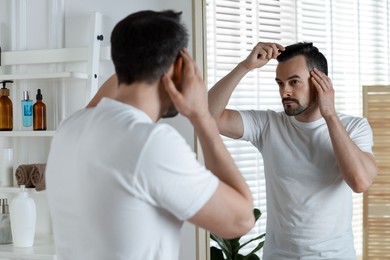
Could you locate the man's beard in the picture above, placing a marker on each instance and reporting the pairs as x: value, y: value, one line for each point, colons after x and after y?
x: 172, y: 112
x: 293, y: 112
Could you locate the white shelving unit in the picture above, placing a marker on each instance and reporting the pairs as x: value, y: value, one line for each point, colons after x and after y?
x: 43, y: 244
x: 57, y: 75
x: 16, y: 190
x: 43, y: 249
x: 48, y: 133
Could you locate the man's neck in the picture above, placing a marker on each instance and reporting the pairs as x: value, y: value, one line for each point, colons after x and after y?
x: 142, y: 96
x: 310, y: 115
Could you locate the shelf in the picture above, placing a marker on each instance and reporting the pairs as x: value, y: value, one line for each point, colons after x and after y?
x: 90, y: 55
x: 17, y: 189
x: 50, y: 56
x: 54, y: 75
x: 30, y: 133
x: 43, y: 249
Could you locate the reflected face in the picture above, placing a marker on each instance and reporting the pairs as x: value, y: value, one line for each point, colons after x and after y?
x: 171, y: 112
x: 177, y: 80
x: 168, y: 108
x: 295, y: 88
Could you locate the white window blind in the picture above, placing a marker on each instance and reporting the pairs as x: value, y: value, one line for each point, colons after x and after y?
x: 352, y: 34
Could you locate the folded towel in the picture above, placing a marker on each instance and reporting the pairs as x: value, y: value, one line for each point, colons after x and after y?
x: 23, y: 175
x: 31, y: 175
x: 38, y: 176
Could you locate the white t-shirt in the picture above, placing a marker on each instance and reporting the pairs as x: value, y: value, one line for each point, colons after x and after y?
x: 120, y: 186
x: 309, y: 205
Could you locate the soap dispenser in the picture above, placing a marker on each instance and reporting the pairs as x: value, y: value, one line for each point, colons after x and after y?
x: 23, y: 219
x: 5, y: 223
x: 39, y: 113
x: 6, y: 114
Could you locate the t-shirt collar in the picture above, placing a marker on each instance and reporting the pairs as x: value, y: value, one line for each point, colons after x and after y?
x: 307, y: 125
x: 112, y: 102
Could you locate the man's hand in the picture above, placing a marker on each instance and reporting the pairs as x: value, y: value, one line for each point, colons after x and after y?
x: 325, y: 93
x: 191, y: 100
x: 261, y: 54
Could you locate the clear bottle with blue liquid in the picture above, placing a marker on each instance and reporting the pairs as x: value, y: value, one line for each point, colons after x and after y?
x: 27, y: 109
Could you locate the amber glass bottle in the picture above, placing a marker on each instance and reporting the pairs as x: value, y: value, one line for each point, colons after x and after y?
x: 6, y: 114
x: 39, y: 113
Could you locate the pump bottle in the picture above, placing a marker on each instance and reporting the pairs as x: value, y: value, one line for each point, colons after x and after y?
x: 6, y: 114
x: 23, y: 219
x: 5, y: 223
x: 39, y: 113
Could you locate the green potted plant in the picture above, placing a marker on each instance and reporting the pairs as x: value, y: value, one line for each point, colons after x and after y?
x: 230, y: 248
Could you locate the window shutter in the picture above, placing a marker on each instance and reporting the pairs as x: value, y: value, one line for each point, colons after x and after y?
x: 377, y: 198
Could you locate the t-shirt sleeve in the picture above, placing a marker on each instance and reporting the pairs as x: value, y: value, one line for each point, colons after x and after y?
x: 171, y: 177
x: 361, y: 134
x: 253, y: 123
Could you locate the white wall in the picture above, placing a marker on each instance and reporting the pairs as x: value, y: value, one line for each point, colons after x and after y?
x: 64, y: 23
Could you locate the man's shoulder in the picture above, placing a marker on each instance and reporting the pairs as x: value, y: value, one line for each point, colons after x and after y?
x: 264, y: 113
x: 75, y: 116
x: 351, y: 119
x: 355, y: 124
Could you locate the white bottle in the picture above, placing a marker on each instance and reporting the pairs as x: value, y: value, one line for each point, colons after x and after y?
x: 23, y: 217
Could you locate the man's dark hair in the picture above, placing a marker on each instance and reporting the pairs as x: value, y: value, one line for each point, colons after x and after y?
x: 145, y: 44
x: 314, y: 58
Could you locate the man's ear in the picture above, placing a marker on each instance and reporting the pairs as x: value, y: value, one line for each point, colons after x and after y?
x: 177, y: 71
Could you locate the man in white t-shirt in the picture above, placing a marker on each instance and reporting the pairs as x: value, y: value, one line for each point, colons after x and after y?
x: 119, y: 186
x: 313, y: 156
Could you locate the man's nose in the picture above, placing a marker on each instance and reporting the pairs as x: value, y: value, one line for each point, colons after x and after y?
x: 287, y: 90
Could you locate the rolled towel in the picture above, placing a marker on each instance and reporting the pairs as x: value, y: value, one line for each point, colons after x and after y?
x: 23, y: 175
x: 38, y: 176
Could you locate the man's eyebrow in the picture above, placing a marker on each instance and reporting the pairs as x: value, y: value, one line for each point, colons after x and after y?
x: 289, y: 78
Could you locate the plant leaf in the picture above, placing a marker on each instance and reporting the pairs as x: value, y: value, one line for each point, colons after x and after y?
x: 239, y: 257
x: 252, y: 257
x: 234, y: 245
x: 253, y: 239
x: 259, y: 246
x: 257, y: 213
x: 216, y: 253
x: 224, y: 244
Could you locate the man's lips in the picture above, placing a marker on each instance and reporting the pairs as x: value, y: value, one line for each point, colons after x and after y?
x: 289, y: 101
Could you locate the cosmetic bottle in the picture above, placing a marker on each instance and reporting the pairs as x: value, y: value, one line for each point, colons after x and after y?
x: 23, y: 219
x: 6, y: 114
x: 5, y: 223
x: 27, y: 112
x: 39, y: 113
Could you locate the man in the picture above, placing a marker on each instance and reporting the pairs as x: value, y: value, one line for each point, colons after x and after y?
x: 119, y: 185
x: 313, y: 156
